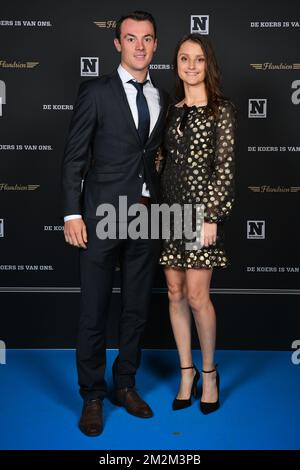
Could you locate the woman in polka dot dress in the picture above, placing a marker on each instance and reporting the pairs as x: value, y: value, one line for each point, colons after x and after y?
x: 199, y: 170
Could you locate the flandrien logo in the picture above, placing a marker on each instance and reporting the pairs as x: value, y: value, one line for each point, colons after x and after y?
x: 274, y: 189
x: 2, y: 353
x: 18, y: 65
x: 18, y: 187
x: 108, y: 24
x: 296, y: 354
x: 271, y: 66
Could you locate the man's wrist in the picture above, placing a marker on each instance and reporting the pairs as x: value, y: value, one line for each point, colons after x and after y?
x: 72, y: 217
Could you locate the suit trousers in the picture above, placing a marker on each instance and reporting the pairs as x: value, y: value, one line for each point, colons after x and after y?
x: 138, y: 262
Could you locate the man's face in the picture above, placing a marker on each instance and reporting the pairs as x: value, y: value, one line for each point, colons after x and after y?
x: 137, y: 45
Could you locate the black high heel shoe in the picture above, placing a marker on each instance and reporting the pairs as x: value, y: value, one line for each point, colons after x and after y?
x: 207, y: 407
x: 180, y: 404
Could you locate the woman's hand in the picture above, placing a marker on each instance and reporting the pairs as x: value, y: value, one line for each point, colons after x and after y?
x: 209, y: 234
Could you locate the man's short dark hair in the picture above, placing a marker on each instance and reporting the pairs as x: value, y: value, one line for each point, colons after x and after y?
x: 137, y: 16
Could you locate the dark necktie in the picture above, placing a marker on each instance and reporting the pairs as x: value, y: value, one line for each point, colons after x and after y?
x: 143, y: 111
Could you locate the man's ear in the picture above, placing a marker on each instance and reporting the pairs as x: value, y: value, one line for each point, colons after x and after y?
x: 155, y: 44
x: 117, y: 44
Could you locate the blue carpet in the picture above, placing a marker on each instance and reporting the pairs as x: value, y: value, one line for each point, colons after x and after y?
x: 40, y: 405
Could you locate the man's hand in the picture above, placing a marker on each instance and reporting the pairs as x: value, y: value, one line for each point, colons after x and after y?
x: 75, y: 233
x: 210, y: 233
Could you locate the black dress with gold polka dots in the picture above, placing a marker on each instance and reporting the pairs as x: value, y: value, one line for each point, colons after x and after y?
x: 199, y: 170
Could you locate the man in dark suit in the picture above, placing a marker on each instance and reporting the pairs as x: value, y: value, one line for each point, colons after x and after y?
x: 118, y: 119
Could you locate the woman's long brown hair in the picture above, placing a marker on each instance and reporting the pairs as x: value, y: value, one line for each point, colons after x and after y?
x: 212, y: 73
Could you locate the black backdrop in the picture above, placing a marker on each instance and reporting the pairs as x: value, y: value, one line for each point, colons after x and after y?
x: 46, y: 49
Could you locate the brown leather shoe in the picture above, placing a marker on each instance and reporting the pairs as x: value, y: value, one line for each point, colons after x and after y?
x: 132, y: 402
x: 91, y: 421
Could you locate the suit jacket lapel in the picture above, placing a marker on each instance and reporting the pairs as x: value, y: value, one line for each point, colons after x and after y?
x: 120, y: 94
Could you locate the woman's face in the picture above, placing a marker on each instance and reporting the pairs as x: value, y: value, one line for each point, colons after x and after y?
x: 191, y: 63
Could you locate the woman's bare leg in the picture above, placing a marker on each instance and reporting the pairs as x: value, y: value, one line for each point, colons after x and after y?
x: 198, y: 297
x: 180, y: 317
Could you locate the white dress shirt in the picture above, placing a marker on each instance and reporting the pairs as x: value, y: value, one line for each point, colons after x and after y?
x: 153, y: 100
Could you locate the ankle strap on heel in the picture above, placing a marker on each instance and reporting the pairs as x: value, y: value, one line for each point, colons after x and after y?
x: 210, y: 371
x: 191, y: 367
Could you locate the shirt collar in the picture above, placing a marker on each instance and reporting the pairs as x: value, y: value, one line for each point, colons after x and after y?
x: 126, y: 76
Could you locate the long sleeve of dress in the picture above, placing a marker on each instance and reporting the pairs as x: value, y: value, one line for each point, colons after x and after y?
x: 219, y: 197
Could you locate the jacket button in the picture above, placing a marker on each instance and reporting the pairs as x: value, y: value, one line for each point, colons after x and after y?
x: 140, y: 175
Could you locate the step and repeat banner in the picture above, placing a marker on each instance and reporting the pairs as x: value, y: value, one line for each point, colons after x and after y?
x: 46, y: 50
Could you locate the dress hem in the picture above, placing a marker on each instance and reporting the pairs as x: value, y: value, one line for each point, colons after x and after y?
x: 196, y: 266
